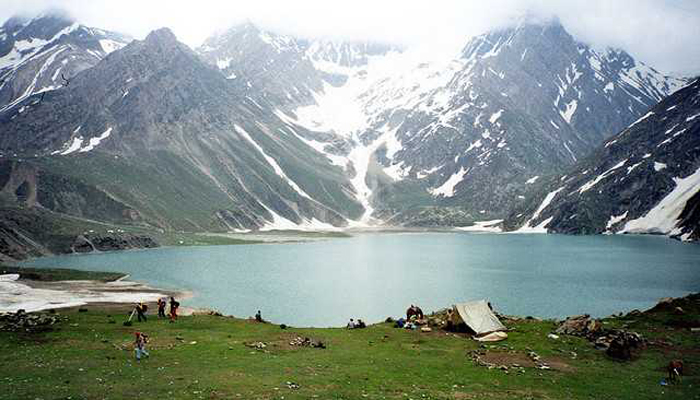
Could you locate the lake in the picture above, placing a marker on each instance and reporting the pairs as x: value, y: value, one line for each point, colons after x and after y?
x: 375, y: 275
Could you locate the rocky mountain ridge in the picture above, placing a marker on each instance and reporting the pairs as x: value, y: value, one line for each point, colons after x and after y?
x: 645, y: 179
x: 259, y: 131
x: 467, y: 136
x: 44, y: 53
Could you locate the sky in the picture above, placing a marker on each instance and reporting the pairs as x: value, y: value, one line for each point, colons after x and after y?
x: 662, y: 33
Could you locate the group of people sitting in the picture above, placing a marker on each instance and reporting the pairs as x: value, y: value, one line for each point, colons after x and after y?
x: 356, y: 325
x: 414, y: 318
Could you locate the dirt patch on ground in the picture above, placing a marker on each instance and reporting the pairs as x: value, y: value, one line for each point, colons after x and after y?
x: 507, y: 359
x: 559, y: 364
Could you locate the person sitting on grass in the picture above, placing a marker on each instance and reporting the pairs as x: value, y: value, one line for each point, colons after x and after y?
x: 258, y: 316
x: 351, y: 324
x: 361, y: 324
x: 140, y: 345
x: 174, y: 305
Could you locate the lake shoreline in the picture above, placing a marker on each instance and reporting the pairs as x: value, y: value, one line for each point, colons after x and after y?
x: 116, y: 293
x: 34, y: 291
x: 546, y: 276
x: 299, y: 236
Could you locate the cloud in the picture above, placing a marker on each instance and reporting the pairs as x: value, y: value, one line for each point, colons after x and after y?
x: 661, y: 33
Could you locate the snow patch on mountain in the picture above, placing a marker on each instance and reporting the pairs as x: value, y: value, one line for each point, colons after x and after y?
x: 588, y: 185
x: 540, y: 228
x: 663, y: 218
x: 279, y: 223
x: 94, y: 142
x: 109, y: 46
x: 271, y: 161
x: 74, y: 146
x: 615, y: 220
x: 483, y: 227
x: 447, y: 189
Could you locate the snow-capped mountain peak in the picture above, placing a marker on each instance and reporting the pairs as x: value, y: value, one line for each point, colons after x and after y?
x: 43, y: 53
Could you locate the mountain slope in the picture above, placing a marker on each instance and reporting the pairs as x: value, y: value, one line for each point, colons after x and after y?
x: 40, y: 54
x: 646, y: 179
x: 161, y: 131
x: 451, y: 143
x: 258, y: 131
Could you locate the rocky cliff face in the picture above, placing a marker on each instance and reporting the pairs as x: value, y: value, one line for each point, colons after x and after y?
x: 645, y: 179
x: 110, y: 242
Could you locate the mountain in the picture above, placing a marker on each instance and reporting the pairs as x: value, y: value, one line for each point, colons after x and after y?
x: 263, y: 64
x: 645, y: 179
x: 283, y: 70
x: 40, y: 54
x: 257, y: 131
x: 168, y: 138
x: 455, y: 142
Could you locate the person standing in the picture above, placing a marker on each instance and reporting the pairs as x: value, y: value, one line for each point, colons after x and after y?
x: 140, y: 345
x: 141, y: 311
x: 161, y: 307
x: 174, y: 305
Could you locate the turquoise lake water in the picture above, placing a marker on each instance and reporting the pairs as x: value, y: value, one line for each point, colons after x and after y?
x: 372, y: 276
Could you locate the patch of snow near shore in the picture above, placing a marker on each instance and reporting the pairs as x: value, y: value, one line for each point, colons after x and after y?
x: 664, y: 216
x: 15, y: 295
x: 283, y: 224
x: 542, y: 227
x: 483, y: 226
x: 614, y: 220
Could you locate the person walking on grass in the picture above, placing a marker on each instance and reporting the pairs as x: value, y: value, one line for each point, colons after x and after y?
x: 161, y: 307
x: 140, y: 345
x: 141, y: 310
x: 174, y: 305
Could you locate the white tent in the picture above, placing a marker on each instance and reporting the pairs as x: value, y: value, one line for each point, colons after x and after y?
x: 477, y: 316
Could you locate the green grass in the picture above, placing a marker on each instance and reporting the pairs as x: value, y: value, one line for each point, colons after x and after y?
x: 198, y: 239
x: 88, y: 357
x: 59, y: 274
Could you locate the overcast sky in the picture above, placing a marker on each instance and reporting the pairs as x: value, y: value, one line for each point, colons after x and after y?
x: 662, y: 33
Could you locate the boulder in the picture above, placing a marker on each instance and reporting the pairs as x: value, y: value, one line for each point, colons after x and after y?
x: 579, y: 325
x: 21, y: 321
x: 625, y: 345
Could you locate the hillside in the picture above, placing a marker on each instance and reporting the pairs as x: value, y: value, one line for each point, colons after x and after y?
x: 645, y: 179
x: 209, y: 356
